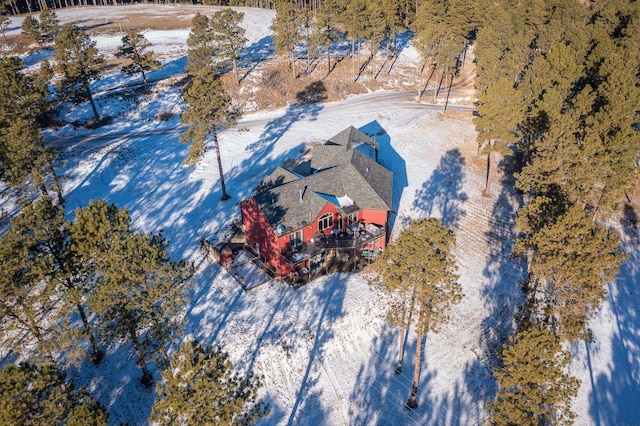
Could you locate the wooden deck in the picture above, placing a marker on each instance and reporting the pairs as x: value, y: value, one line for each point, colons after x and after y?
x: 335, y: 241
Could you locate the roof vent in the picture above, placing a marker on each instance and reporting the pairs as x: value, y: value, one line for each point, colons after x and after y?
x: 302, y: 191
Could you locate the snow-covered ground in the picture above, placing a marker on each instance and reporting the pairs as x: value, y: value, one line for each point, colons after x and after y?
x: 323, y: 352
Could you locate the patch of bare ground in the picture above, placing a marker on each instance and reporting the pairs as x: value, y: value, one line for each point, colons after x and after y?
x: 272, y: 85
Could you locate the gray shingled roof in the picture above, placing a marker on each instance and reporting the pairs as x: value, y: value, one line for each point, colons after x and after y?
x: 334, y: 149
x: 351, y: 138
x: 293, y: 202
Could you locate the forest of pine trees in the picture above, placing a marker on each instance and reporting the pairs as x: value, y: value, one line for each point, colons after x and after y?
x: 558, y: 83
x: 71, y: 289
x: 555, y: 93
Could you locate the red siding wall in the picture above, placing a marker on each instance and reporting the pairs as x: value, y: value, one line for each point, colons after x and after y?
x: 259, y: 231
x: 377, y: 217
x: 309, y: 231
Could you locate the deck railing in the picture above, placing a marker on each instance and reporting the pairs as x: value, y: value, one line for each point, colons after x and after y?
x: 333, y: 241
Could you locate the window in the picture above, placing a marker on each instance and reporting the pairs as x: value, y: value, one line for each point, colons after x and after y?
x: 295, y: 239
x: 352, y: 219
x: 326, y: 221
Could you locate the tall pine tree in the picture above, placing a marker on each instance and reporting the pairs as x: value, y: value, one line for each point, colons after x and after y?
x: 140, y: 292
x: 210, y: 109
x: 419, y: 266
x: 134, y: 47
x: 533, y: 388
x: 79, y: 63
x: 228, y: 38
x: 286, y: 32
x: 200, y: 49
x: 38, y: 395
x: 200, y: 387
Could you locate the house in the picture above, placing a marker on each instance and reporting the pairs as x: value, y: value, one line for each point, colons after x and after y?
x: 336, y: 203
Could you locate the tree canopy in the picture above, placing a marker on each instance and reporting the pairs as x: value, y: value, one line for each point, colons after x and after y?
x: 201, y: 387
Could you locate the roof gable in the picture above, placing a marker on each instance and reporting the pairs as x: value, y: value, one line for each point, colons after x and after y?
x: 347, y: 178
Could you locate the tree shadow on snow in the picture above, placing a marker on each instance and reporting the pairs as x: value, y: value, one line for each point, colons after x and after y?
x: 501, y: 292
x: 442, y: 195
x: 379, y: 395
x: 614, y: 393
x: 261, y: 161
x: 273, y: 318
x: 115, y: 382
x: 330, y: 293
x: 255, y: 54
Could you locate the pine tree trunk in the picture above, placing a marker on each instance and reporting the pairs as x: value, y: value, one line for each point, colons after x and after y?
x: 216, y: 145
x: 235, y: 71
x: 56, y: 183
x: 35, y: 330
x: 413, y: 400
x: 14, y: 8
x: 146, y: 379
x: 97, y: 354
x: 93, y: 105
x: 435, y: 94
x: 635, y: 191
x: 420, y: 86
x: 161, y: 341
x: 144, y: 81
x: 328, y: 60
x: 490, y: 167
x: 401, y: 348
x: 446, y: 101
x: 353, y: 57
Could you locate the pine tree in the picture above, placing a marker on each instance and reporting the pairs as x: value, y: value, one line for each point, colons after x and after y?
x: 438, y: 39
x: 140, y: 293
x: 306, y: 35
x: 31, y: 29
x: 27, y: 299
x: 392, y: 21
x: 23, y: 157
x: 200, y: 44
x: 286, y: 31
x: 201, y: 388
x: 49, y: 23
x: 228, y: 38
x: 209, y: 109
x: 500, y: 110
x: 41, y: 224
x: 532, y: 386
x: 38, y: 395
x: 80, y: 63
x: 420, y: 268
x: 374, y: 25
x: 134, y: 47
x: 21, y: 95
x: 351, y: 20
x: 326, y: 28
x: 574, y: 259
